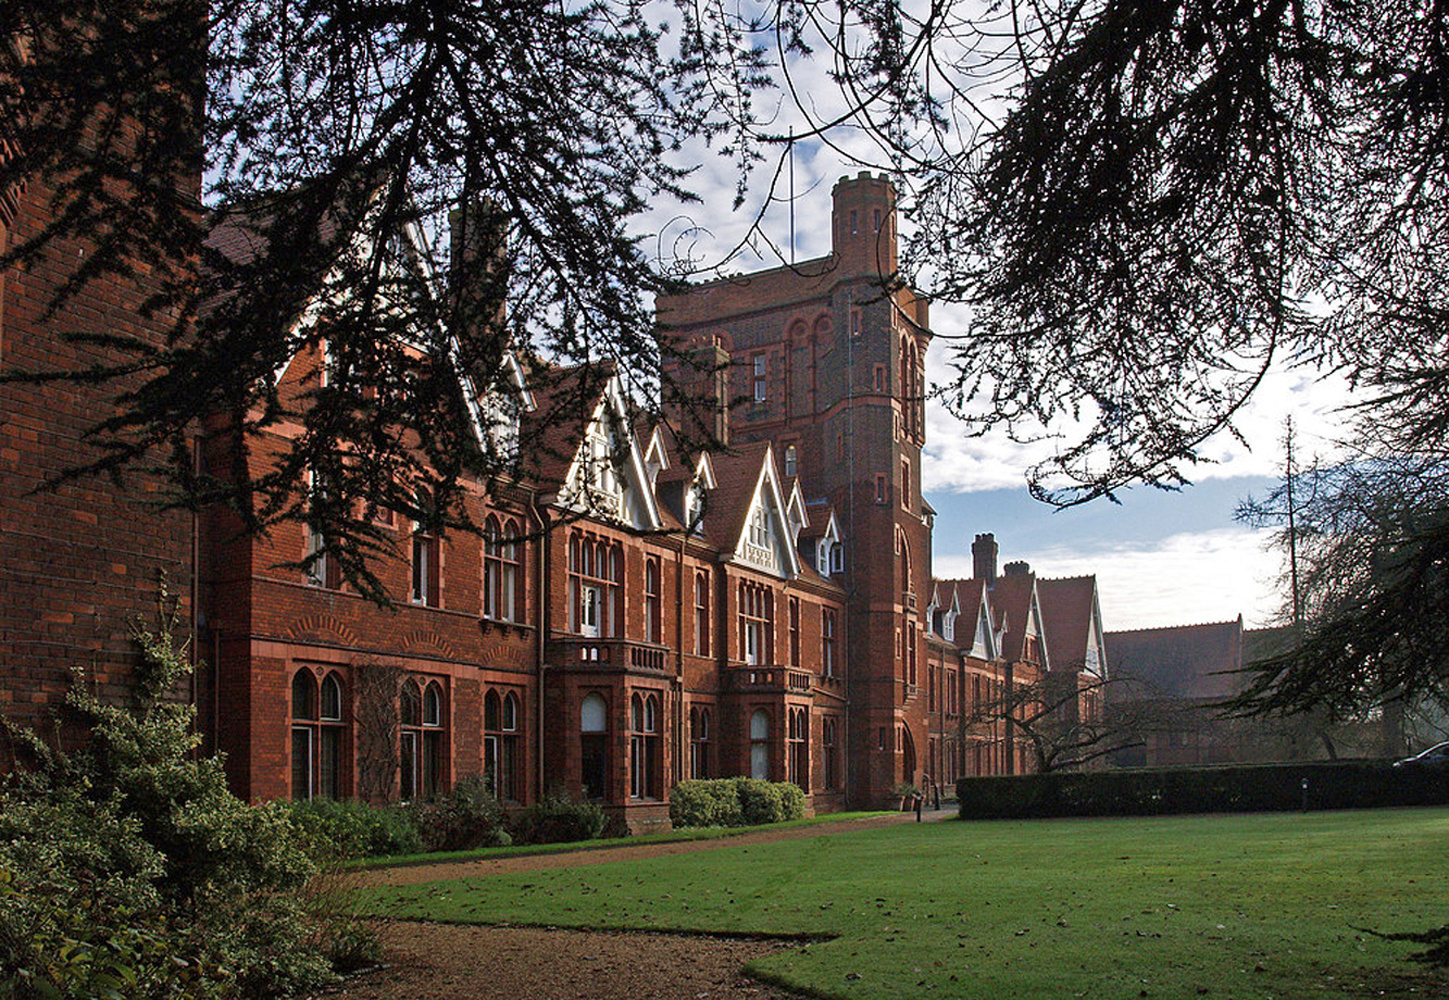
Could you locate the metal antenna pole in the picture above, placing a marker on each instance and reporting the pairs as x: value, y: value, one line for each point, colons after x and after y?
x: 792, y: 194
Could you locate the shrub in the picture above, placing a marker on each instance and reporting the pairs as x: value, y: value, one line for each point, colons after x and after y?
x: 734, y: 802
x: 557, y: 819
x: 792, y: 801
x: 342, y: 830
x: 759, y: 802
x: 1240, y: 788
x: 468, y: 816
x: 704, y: 803
x: 128, y: 869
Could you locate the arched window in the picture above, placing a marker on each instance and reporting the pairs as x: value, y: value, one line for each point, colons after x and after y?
x: 644, y: 756
x: 502, y: 745
x: 423, y: 739
x: 331, y: 735
x: 701, y: 613
x: 594, y: 746
x: 757, y: 635
x: 792, y: 460
x: 797, y: 757
x: 652, y: 622
x: 699, y: 743
x: 502, y: 571
x: 760, y: 745
x: 596, y: 574
x: 304, y: 734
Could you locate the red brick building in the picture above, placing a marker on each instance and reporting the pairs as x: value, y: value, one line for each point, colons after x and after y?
x: 73, y: 558
x: 636, y: 612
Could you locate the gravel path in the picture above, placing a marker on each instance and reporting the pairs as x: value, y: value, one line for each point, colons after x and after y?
x: 524, y: 963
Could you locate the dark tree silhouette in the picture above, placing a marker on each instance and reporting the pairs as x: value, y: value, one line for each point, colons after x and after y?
x: 1179, y: 194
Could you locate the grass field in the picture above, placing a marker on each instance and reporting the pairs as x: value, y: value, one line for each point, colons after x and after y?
x: 1224, y: 906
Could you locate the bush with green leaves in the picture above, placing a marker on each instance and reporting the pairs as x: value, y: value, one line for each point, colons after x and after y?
x: 557, y: 819
x: 128, y: 869
x: 468, y: 816
x: 734, y: 802
x: 701, y: 802
x: 343, y: 830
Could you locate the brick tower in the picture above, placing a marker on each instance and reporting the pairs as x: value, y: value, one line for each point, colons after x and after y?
x: 825, y: 359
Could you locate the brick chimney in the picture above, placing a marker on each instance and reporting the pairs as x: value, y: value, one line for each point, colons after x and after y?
x: 696, y: 394
x: 1017, y: 568
x: 983, y: 558
x: 479, y: 265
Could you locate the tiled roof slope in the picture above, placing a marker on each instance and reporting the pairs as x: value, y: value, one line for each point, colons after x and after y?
x: 1067, y: 614
x: 736, y: 472
x: 564, y: 402
x: 1184, y: 661
x: 1011, y: 596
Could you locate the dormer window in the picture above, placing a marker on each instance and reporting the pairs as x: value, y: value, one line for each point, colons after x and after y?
x: 759, y: 528
x: 603, y: 481
x: 694, y: 508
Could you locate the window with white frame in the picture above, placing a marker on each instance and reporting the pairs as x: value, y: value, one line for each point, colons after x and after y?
x: 644, y: 756
x: 502, y: 571
x: 757, y: 642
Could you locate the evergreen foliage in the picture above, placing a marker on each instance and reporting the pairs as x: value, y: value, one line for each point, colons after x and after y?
x: 128, y: 869
x: 734, y: 802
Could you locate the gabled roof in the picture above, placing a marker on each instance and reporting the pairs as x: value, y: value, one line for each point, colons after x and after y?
x: 746, y: 475
x: 652, y: 438
x: 567, y: 406
x: 972, y: 602
x: 795, y: 508
x: 1014, y: 597
x: 565, y: 400
x: 1183, y: 661
x: 821, y: 520
x: 1072, y: 622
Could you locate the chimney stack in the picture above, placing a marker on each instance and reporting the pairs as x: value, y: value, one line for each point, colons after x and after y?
x: 1018, y: 568
x: 479, y: 266
x: 983, y: 558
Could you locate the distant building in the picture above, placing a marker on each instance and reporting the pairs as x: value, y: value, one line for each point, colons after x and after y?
x: 1179, y: 679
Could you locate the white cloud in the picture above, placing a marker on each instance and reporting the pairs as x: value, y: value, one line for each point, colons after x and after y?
x: 956, y: 462
x: 1184, y: 579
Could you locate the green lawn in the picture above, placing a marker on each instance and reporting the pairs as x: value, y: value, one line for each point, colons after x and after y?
x: 1227, y: 906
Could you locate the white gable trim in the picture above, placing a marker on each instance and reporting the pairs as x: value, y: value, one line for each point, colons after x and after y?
x: 768, y: 497
x: 638, y: 506
x: 795, y: 508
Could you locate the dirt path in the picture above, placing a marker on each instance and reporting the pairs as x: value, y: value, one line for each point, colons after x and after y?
x: 521, y: 963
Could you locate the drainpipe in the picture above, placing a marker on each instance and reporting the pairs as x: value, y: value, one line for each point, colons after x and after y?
x: 679, y: 660
x: 540, y: 575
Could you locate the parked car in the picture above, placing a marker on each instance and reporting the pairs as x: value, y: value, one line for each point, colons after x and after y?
x: 1436, y: 756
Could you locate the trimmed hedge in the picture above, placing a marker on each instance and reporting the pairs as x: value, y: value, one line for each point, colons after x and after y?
x: 1245, y: 788
x: 734, y: 802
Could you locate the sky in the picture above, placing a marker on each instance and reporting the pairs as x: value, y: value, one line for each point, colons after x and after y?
x: 1160, y: 558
